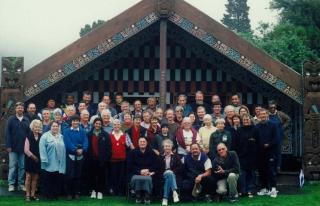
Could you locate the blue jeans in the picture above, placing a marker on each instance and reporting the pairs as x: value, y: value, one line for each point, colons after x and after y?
x: 16, y: 162
x: 170, y: 183
x: 246, y: 179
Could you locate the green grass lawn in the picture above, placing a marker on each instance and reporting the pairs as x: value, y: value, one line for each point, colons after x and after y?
x: 308, y: 196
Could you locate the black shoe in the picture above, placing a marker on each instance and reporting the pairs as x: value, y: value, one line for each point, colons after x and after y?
x: 35, y: 198
x: 69, y: 197
x: 77, y: 197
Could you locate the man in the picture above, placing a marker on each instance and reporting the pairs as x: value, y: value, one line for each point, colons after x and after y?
x: 136, y: 131
x: 101, y: 106
x: 84, y: 121
x: 169, y: 119
x: 106, y: 99
x: 137, y: 105
x: 215, y: 98
x: 199, y: 101
x: 282, y: 121
x: 107, y: 125
x: 268, y: 145
x: 31, y: 113
x: 51, y: 105
x: 182, y: 101
x: 17, y: 129
x: 69, y: 102
x: 152, y: 104
x: 236, y: 103
x: 229, y: 111
x: 201, y: 111
x: 76, y: 143
x: 82, y: 106
x: 257, y: 109
x: 86, y: 98
x: 119, y: 100
x: 127, y: 122
x: 217, y: 108
x: 226, y: 171
x: 125, y: 108
x: 198, y: 173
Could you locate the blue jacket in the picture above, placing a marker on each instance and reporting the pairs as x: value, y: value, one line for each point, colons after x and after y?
x: 74, y: 138
x: 267, y: 134
x: 16, y: 133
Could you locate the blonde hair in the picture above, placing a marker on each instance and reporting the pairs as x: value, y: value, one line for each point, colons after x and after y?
x: 36, y: 122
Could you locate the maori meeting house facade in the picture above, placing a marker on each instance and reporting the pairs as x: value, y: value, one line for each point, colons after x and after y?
x: 164, y: 48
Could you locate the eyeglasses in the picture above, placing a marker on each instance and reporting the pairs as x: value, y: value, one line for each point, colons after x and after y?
x: 221, y: 149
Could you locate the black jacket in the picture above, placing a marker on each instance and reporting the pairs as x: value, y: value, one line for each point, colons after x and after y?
x: 246, y: 146
x: 104, y: 147
x: 267, y: 134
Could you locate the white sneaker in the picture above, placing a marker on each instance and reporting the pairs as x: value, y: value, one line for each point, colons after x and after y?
x: 164, y: 202
x: 99, y: 196
x: 11, y: 188
x: 93, y: 194
x: 273, y: 193
x: 175, y: 196
x: 263, y: 191
x: 22, y: 188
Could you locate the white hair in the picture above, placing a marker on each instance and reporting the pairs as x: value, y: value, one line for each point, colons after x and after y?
x: 186, y: 119
x: 221, y: 120
x: 228, y: 108
x: 207, y: 116
x: 57, y: 110
x: 34, y: 122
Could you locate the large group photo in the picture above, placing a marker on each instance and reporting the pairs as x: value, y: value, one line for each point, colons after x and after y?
x: 160, y: 104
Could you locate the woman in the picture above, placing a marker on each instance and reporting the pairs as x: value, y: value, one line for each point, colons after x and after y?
x: 99, y: 154
x: 221, y: 135
x: 153, y: 130
x: 206, y: 131
x: 159, y: 114
x: 171, y: 168
x: 157, y: 143
x: 178, y: 114
x: 186, y: 135
x: 229, y: 112
x: 243, y: 110
x: 119, y: 143
x: 46, y: 120
x: 142, y: 166
x: 32, y: 160
x: 53, y: 160
x: 246, y: 146
x: 146, y: 117
x: 192, y: 117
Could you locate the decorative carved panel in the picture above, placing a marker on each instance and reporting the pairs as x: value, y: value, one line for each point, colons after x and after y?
x: 311, y: 156
x: 164, y: 7
x: 12, y: 70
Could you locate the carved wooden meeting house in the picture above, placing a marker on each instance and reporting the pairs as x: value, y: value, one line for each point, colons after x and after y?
x: 163, y: 48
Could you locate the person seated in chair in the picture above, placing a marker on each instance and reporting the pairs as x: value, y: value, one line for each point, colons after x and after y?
x: 172, y: 169
x: 198, y: 168
x: 226, y: 171
x: 142, y: 166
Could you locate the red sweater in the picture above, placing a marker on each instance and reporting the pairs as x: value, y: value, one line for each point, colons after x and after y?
x: 118, y: 148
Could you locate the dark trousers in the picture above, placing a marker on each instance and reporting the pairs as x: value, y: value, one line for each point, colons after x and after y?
x: 247, y: 179
x: 208, y: 186
x: 97, y: 176
x: 73, y: 176
x: 51, y: 187
x: 118, y: 177
x: 267, y: 170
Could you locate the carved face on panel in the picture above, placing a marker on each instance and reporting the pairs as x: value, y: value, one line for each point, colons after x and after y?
x: 312, y: 76
x: 12, y: 71
x: 164, y: 7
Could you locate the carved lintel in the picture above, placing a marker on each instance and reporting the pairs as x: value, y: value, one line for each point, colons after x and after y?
x: 12, y: 72
x: 164, y: 8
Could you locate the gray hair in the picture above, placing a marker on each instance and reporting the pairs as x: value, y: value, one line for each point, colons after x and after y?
x: 57, y: 110
x: 228, y: 108
x: 167, y: 141
x: 34, y: 122
x: 220, y: 120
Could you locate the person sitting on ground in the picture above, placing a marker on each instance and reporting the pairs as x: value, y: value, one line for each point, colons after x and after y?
x: 142, y: 166
x: 226, y: 170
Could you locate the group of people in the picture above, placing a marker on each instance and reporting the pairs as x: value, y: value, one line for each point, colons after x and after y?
x: 188, y: 151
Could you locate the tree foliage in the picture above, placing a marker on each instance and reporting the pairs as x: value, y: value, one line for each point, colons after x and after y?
x: 237, y: 16
x: 296, y: 37
x: 88, y: 28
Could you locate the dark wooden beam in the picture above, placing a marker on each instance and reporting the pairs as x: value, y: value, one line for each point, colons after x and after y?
x: 163, y: 62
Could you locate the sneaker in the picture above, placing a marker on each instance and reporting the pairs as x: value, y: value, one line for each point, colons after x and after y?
x: 11, y: 188
x: 93, y: 194
x: 99, y: 196
x: 27, y: 199
x: 232, y: 199
x: 147, y: 202
x: 22, y: 188
x: 263, y: 191
x: 164, y: 202
x: 138, y: 201
x: 35, y: 198
x: 273, y: 193
x: 208, y: 198
x: 175, y: 197
x: 250, y: 195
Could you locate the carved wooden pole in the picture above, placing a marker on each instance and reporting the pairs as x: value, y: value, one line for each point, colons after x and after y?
x: 164, y: 9
x: 311, y: 109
